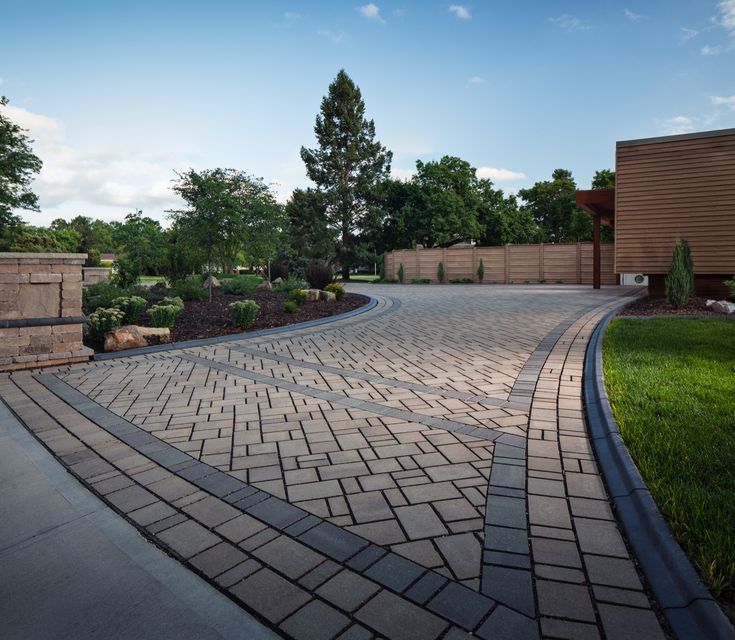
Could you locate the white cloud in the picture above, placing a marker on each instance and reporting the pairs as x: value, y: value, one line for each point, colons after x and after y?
x: 460, y: 11
x: 570, y: 23
x: 633, y: 17
x: 499, y: 175
x: 726, y: 16
x: 724, y: 101
x: 688, y: 34
x: 677, y: 124
x: 402, y: 174
x: 476, y: 80
x: 336, y: 38
x: 708, y: 50
x: 371, y: 12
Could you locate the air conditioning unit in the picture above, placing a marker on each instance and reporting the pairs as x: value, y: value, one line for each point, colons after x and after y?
x: 634, y: 279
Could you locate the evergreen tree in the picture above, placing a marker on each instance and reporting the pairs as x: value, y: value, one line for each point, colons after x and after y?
x: 346, y: 167
x: 680, y: 281
x: 18, y: 165
x: 309, y: 234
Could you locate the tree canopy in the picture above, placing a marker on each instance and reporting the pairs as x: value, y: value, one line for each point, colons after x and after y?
x: 18, y: 166
x: 347, y: 166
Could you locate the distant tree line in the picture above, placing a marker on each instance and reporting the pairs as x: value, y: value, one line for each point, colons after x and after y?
x: 353, y: 214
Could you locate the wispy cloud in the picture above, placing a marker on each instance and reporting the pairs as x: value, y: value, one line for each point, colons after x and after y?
x: 570, y: 23
x: 709, y: 50
x: 399, y: 13
x: 632, y: 16
x: 688, y: 34
x: 724, y: 101
x: 499, y: 175
x: 460, y: 11
x: 336, y: 38
x: 475, y: 80
x: 371, y: 12
x: 726, y: 16
x: 291, y: 16
x: 2, y: 82
x: 677, y: 125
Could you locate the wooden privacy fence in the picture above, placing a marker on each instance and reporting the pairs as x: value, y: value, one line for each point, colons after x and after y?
x: 508, y: 264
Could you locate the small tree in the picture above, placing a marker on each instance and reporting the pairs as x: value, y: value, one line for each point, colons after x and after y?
x: 400, y: 273
x: 481, y: 270
x: 680, y: 281
x: 440, y: 272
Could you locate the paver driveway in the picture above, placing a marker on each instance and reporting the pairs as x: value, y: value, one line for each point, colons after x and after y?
x: 419, y: 470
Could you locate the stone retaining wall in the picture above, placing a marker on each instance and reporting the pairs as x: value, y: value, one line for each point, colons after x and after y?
x: 93, y: 275
x: 41, y: 316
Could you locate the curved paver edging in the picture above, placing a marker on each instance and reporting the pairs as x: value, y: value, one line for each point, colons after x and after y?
x: 690, y: 609
x: 200, y: 342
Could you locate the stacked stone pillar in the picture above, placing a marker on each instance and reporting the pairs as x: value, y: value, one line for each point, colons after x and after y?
x: 41, y: 318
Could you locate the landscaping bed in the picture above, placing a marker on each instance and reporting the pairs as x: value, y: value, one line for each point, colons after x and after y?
x: 649, y: 306
x: 671, y: 385
x: 202, y: 319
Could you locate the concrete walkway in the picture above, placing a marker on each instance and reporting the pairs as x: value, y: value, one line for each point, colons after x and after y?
x: 421, y: 470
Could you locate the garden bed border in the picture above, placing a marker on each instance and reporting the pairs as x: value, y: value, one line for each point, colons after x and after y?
x: 687, y: 604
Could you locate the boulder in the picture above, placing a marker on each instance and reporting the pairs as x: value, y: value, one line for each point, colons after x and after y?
x: 264, y: 286
x: 128, y: 337
x: 312, y: 294
x: 215, y: 282
x: 278, y: 281
x: 709, y: 303
x: 723, y: 306
x: 327, y: 296
x: 132, y: 336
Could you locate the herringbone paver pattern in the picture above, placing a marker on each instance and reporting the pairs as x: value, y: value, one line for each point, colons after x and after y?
x: 421, y: 468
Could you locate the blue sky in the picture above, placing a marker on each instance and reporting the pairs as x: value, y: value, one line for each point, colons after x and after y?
x: 119, y: 94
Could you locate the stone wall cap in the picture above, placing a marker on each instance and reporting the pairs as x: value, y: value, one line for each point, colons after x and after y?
x: 10, y: 255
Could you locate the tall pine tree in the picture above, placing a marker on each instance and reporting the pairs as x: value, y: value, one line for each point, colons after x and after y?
x: 346, y: 167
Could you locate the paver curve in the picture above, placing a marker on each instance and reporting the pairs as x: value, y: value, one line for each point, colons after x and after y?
x: 422, y: 470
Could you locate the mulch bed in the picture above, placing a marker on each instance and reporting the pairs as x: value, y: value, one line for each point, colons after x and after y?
x: 202, y: 319
x: 649, y: 306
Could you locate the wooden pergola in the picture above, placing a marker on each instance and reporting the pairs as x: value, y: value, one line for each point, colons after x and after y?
x: 601, y: 204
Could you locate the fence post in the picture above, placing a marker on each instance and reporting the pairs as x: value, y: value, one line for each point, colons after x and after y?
x: 579, y: 263
x: 418, y: 262
x: 446, y: 267
x: 507, y: 265
x: 474, y: 264
x: 541, y: 261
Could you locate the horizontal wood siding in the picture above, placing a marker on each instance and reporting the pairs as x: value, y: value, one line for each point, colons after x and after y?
x: 524, y: 263
x: 675, y: 189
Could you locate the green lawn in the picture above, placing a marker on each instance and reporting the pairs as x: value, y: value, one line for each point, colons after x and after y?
x: 671, y: 383
x: 363, y: 278
x: 152, y: 279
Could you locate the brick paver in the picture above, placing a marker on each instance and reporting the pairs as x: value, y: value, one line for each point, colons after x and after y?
x: 420, y: 470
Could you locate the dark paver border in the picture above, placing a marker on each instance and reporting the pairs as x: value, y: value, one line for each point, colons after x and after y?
x: 687, y: 604
x: 233, y: 337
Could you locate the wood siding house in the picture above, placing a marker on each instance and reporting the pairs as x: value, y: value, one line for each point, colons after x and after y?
x: 667, y: 188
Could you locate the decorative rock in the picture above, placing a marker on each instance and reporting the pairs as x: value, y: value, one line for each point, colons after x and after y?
x: 155, y: 335
x: 709, y: 303
x: 215, y: 282
x: 723, y: 306
x: 312, y: 294
x: 327, y: 296
x: 278, y: 281
x: 264, y: 286
x: 127, y: 337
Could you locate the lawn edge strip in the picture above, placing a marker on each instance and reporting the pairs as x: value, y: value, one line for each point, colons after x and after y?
x: 687, y: 604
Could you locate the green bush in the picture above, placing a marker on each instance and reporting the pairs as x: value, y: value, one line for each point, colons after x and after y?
x: 290, y: 306
x: 298, y: 296
x: 461, y: 281
x: 104, y: 320
x: 289, y: 284
x: 190, y: 288
x: 241, y: 285
x: 481, y: 270
x: 440, y: 272
x: 244, y: 313
x: 93, y: 258
x: 125, y: 272
x: 337, y: 289
x: 680, y: 281
x: 401, y: 273
x: 174, y: 300
x: 318, y: 274
x: 730, y: 284
x: 131, y: 306
x: 420, y: 281
x: 164, y: 315
x: 100, y: 295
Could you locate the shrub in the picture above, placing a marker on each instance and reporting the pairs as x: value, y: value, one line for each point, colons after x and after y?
x: 100, y: 295
x: 440, y: 272
x: 290, y: 306
x: 401, y: 273
x: 298, y: 296
x: 680, y: 281
x: 318, y: 274
x: 190, y: 288
x: 337, y: 289
x: 174, y: 300
x: 420, y: 281
x: 93, y: 258
x: 131, y: 306
x: 291, y: 283
x: 241, y: 286
x: 481, y: 270
x: 244, y: 313
x: 461, y: 281
x: 279, y: 270
x: 125, y: 272
x: 730, y: 284
x: 104, y: 320
x: 164, y: 315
